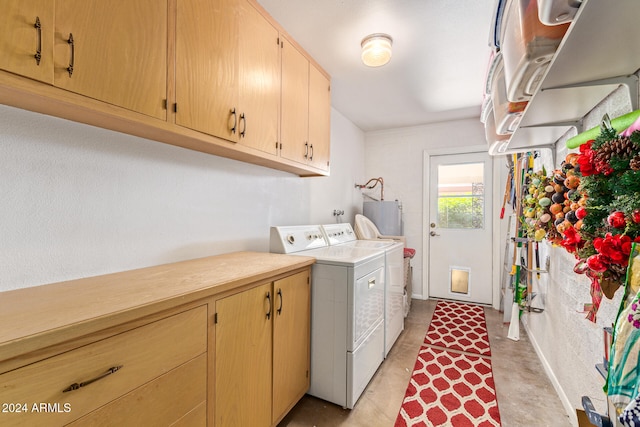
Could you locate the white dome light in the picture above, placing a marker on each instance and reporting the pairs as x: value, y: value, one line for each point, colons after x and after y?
x: 376, y: 49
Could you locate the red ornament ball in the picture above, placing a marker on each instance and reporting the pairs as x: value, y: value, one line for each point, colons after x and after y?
x: 616, y: 219
x: 581, y: 212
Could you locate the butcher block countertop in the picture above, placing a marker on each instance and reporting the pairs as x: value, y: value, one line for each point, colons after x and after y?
x: 36, y: 317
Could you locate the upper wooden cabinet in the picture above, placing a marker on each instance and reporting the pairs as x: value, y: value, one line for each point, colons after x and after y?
x: 217, y: 76
x: 306, y: 108
x: 26, y: 38
x: 319, y: 118
x: 114, y: 52
x: 207, y: 66
x: 228, y: 72
x: 259, y: 80
x: 295, y: 103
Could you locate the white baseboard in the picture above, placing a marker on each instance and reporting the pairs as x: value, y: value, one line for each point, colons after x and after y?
x: 568, y: 407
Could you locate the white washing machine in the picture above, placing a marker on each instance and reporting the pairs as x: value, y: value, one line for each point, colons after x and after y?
x: 347, y: 311
x: 343, y: 234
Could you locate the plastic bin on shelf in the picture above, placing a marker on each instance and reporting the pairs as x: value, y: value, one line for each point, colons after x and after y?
x: 507, y: 114
x: 527, y: 47
x: 493, y: 138
x: 556, y: 12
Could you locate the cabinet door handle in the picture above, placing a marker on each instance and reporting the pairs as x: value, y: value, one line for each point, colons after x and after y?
x: 311, y: 151
x: 280, y: 308
x: 243, y: 119
x: 38, y: 28
x: 306, y: 150
x: 76, y: 386
x: 73, y: 54
x: 269, y: 301
x: 235, y: 120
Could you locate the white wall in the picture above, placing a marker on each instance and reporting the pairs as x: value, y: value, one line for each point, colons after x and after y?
x: 396, y: 155
x: 78, y: 201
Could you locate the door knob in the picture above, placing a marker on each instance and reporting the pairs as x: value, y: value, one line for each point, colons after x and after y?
x: 433, y: 233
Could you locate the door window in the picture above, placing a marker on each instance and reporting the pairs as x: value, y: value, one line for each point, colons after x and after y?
x: 461, y: 196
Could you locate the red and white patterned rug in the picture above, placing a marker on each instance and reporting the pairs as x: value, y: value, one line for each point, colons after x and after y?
x: 450, y: 387
x: 459, y: 326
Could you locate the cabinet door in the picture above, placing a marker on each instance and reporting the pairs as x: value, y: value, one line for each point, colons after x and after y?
x: 319, y: 118
x: 291, y: 341
x: 259, y: 81
x: 243, y: 358
x: 207, y: 67
x: 295, y: 104
x: 118, y: 54
x: 21, y: 39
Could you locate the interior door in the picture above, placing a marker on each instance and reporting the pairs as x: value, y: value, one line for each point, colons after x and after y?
x: 460, y: 228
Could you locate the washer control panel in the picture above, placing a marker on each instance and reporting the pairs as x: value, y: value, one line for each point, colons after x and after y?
x: 291, y: 239
x: 339, y: 233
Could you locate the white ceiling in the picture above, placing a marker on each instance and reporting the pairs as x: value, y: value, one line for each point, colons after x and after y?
x: 437, y: 71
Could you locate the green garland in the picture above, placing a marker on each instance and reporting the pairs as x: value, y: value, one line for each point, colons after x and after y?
x: 618, y: 191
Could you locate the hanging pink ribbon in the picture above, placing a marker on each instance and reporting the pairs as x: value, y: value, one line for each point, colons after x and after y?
x: 596, y: 296
x: 595, y: 289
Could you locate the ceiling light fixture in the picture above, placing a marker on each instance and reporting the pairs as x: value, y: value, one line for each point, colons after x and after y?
x: 376, y: 49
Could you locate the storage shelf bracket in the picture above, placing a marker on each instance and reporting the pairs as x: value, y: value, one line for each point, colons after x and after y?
x: 630, y: 81
x: 578, y: 124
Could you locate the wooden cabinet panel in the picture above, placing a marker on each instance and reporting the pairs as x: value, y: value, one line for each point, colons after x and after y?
x: 259, y: 81
x: 162, y: 401
x: 243, y: 358
x: 319, y: 118
x: 295, y: 103
x: 207, y: 66
x: 20, y: 39
x: 306, y: 110
x: 142, y: 354
x: 118, y: 54
x: 291, y: 338
x: 196, y: 418
x: 228, y: 72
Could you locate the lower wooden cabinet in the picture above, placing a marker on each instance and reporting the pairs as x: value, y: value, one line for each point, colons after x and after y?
x: 262, y: 352
x: 291, y: 342
x: 207, y: 342
x: 132, y: 373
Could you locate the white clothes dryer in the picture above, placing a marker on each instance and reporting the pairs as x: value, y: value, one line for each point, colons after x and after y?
x: 347, y: 311
x: 343, y: 234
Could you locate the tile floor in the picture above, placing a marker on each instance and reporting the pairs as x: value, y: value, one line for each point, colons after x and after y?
x: 526, y: 397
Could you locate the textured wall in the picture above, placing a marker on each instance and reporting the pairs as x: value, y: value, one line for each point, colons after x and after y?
x: 77, y: 201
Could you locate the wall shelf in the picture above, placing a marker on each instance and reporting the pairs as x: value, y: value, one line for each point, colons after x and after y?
x: 600, y: 52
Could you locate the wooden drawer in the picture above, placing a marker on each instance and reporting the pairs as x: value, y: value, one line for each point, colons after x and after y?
x: 143, y: 354
x: 162, y: 402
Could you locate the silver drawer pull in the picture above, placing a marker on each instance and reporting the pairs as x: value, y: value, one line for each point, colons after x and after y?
x: 76, y: 386
x: 372, y: 283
